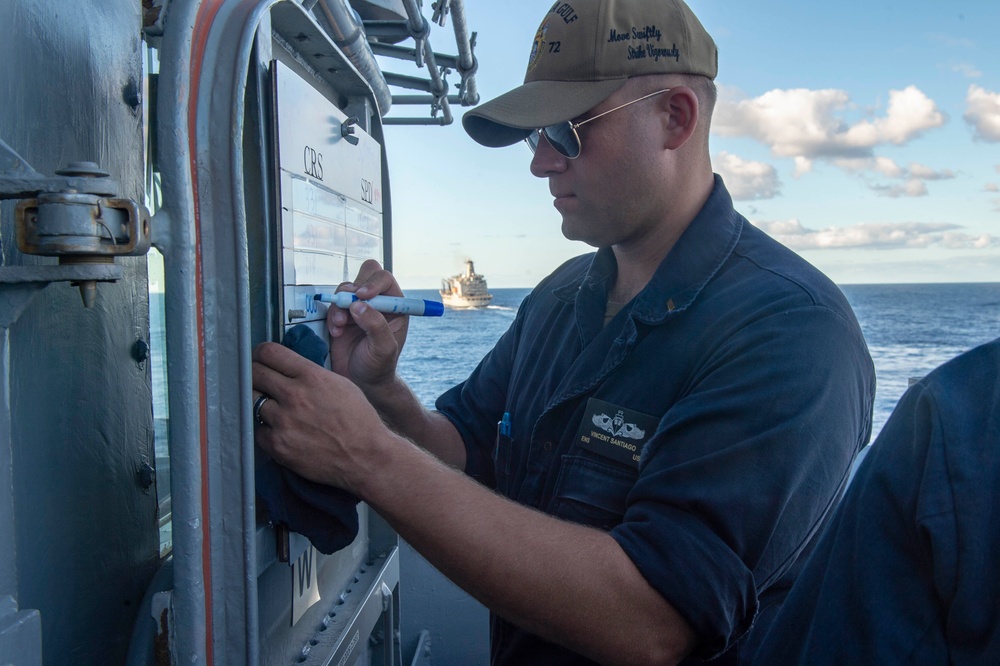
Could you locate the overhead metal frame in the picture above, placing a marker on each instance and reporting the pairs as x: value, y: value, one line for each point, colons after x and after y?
x: 382, y: 37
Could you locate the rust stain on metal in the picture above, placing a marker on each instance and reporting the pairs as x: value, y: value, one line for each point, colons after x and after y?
x: 150, y: 12
x: 161, y: 643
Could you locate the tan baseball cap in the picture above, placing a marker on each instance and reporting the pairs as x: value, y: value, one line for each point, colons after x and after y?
x: 583, y: 52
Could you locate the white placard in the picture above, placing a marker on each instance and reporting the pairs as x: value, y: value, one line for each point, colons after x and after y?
x: 330, y: 187
x: 305, y: 587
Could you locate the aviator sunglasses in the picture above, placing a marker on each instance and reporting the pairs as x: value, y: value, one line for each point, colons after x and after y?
x: 563, y: 136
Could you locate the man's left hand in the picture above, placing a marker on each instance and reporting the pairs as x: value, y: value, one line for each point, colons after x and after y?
x: 316, y: 423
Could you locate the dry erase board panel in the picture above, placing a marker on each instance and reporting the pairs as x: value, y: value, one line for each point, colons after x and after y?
x: 330, y: 187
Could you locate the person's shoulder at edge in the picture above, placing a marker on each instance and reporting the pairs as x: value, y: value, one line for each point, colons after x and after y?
x: 974, y: 372
x: 758, y: 267
x: 773, y: 257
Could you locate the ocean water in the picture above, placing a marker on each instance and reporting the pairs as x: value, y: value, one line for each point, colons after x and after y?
x: 910, y: 330
x: 442, y: 351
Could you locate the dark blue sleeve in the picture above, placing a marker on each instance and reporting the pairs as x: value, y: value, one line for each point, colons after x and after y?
x: 906, y: 571
x: 746, y: 466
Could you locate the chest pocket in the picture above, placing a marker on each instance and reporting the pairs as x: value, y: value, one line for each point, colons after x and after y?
x: 592, y: 492
x: 501, y: 462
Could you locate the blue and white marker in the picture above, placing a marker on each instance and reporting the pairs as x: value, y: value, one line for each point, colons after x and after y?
x: 387, y: 304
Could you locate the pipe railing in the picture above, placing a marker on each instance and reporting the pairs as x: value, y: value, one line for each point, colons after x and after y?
x: 467, y: 64
x: 363, y: 40
x: 348, y: 34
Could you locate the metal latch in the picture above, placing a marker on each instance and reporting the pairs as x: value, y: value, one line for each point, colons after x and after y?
x: 347, y: 130
x: 76, y: 217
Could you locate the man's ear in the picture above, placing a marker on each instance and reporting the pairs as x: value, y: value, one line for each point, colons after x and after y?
x: 680, y: 113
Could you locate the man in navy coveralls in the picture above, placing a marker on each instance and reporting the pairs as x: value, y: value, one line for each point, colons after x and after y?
x: 651, y: 447
x: 906, y: 572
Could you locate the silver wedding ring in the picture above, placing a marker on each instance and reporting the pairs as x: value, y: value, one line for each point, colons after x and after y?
x: 257, y: 404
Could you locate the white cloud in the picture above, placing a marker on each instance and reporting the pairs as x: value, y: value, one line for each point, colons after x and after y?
x: 882, y: 165
x: 926, y: 173
x: 967, y: 70
x: 794, y: 123
x: 992, y: 187
x: 911, y: 188
x: 746, y: 179
x: 913, y: 176
x: 959, y: 241
x: 892, y: 236
x: 953, y: 42
x: 983, y: 113
x: 910, y: 114
x: 803, y: 165
x: 809, y: 124
x: 888, y: 167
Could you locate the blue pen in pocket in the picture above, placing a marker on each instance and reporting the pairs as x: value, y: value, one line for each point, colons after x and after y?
x: 502, y: 453
x: 503, y: 425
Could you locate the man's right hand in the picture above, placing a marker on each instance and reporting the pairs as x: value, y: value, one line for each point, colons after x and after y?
x: 365, y: 344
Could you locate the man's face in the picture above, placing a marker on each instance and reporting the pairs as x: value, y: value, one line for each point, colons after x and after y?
x: 610, y: 193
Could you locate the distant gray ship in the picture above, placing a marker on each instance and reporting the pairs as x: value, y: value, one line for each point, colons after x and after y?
x: 465, y: 290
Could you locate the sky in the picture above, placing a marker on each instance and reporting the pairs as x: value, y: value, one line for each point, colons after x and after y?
x: 863, y: 135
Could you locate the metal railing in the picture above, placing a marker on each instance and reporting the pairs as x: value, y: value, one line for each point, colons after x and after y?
x: 364, y: 39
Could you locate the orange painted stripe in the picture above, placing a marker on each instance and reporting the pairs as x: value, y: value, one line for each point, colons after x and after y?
x: 204, y: 20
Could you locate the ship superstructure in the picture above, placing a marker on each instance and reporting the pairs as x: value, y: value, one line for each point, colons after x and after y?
x: 466, y: 290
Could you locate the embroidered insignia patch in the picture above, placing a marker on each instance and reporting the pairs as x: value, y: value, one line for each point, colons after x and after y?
x: 537, y: 46
x: 615, y: 432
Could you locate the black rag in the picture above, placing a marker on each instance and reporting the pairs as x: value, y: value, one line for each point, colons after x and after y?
x: 325, y: 515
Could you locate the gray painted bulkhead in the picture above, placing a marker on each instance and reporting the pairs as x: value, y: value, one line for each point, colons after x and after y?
x: 79, y: 534
x: 79, y: 539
